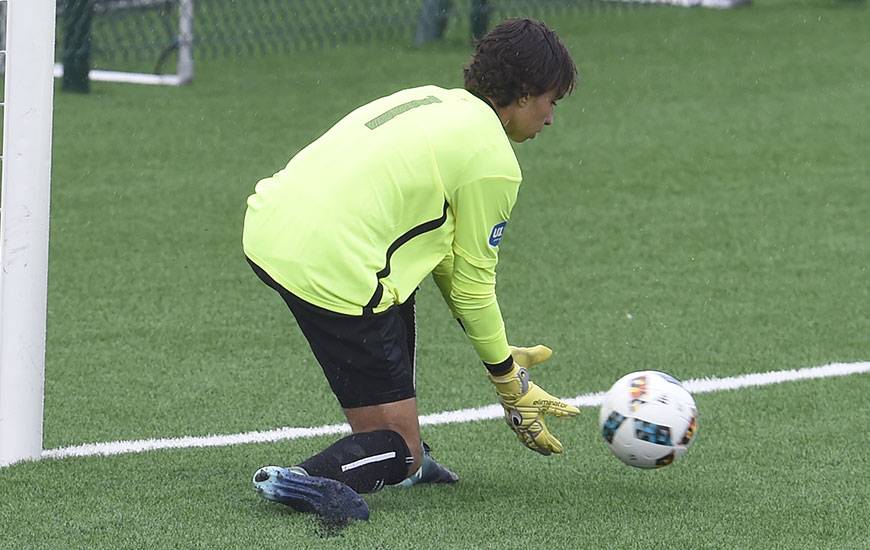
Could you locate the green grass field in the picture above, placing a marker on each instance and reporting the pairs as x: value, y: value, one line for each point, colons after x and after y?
x: 700, y: 207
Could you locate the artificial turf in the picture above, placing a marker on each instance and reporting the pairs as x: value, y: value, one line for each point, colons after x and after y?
x: 699, y: 207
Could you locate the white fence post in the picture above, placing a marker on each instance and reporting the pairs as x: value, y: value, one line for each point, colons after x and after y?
x: 29, y: 91
x: 185, y: 41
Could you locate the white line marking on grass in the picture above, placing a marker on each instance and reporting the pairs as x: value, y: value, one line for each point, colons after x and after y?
x: 700, y: 385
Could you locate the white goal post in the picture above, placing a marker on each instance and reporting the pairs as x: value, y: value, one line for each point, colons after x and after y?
x: 27, y: 118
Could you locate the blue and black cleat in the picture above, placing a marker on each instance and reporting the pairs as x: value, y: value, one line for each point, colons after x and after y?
x: 331, y: 500
x: 430, y: 472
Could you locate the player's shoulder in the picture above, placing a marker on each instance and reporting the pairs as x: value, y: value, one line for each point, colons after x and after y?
x: 478, y: 132
x: 401, y: 102
x: 428, y: 94
x: 446, y: 102
x: 458, y: 98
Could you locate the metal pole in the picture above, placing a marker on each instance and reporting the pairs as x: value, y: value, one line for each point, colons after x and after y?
x: 185, y: 41
x: 24, y: 225
x: 77, y: 45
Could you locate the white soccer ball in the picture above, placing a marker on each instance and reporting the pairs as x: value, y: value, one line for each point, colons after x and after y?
x: 648, y: 419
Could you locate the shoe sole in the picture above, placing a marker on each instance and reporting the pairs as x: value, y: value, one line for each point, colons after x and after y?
x: 443, y: 476
x: 437, y: 476
x: 331, y: 500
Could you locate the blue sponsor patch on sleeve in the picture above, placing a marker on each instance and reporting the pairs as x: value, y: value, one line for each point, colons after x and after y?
x: 496, y: 233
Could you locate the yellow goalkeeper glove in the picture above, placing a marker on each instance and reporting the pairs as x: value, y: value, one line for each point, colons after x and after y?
x: 525, y: 404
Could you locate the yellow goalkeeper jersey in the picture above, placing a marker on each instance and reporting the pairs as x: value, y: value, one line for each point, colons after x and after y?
x: 421, y: 181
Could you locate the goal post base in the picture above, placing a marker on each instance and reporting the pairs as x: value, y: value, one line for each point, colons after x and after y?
x: 130, y: 78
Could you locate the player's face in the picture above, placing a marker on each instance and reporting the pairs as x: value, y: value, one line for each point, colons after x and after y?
x: 530, y: 116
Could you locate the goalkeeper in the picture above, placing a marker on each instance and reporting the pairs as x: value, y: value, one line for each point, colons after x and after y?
x: 422, y: 181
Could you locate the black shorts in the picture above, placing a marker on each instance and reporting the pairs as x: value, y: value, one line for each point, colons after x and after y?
x: 368, y: 359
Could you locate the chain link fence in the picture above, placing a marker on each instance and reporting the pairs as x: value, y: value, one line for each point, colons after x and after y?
x: 144, y: 33
x: 127, y: 34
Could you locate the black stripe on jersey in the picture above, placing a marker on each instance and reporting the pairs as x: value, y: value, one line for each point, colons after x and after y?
x: 431, y: 225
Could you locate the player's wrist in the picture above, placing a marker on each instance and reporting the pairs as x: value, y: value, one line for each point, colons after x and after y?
x: 500, y: 369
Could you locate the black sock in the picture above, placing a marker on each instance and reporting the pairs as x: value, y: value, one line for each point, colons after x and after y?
x: 364, y: 461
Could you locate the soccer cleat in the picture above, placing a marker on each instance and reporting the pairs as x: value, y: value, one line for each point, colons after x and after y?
x: 330, y: 499
x: 430, y: 472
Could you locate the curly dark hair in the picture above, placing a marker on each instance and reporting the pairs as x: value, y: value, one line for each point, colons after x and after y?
x: 520, y: 57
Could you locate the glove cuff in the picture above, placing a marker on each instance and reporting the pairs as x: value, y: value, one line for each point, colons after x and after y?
x: 507, y: 377
x: 512, y: 384
x: 500, y: 369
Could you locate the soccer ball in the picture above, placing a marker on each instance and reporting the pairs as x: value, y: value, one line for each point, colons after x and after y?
x: 648, y: 419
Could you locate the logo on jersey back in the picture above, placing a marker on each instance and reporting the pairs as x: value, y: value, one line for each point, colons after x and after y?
x: 496, y: 233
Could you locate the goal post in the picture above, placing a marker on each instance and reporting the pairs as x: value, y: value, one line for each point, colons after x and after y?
x: 24, y: 207
x: 163, y: 29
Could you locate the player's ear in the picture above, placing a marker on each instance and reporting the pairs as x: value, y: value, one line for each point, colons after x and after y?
x: 523, y: 101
